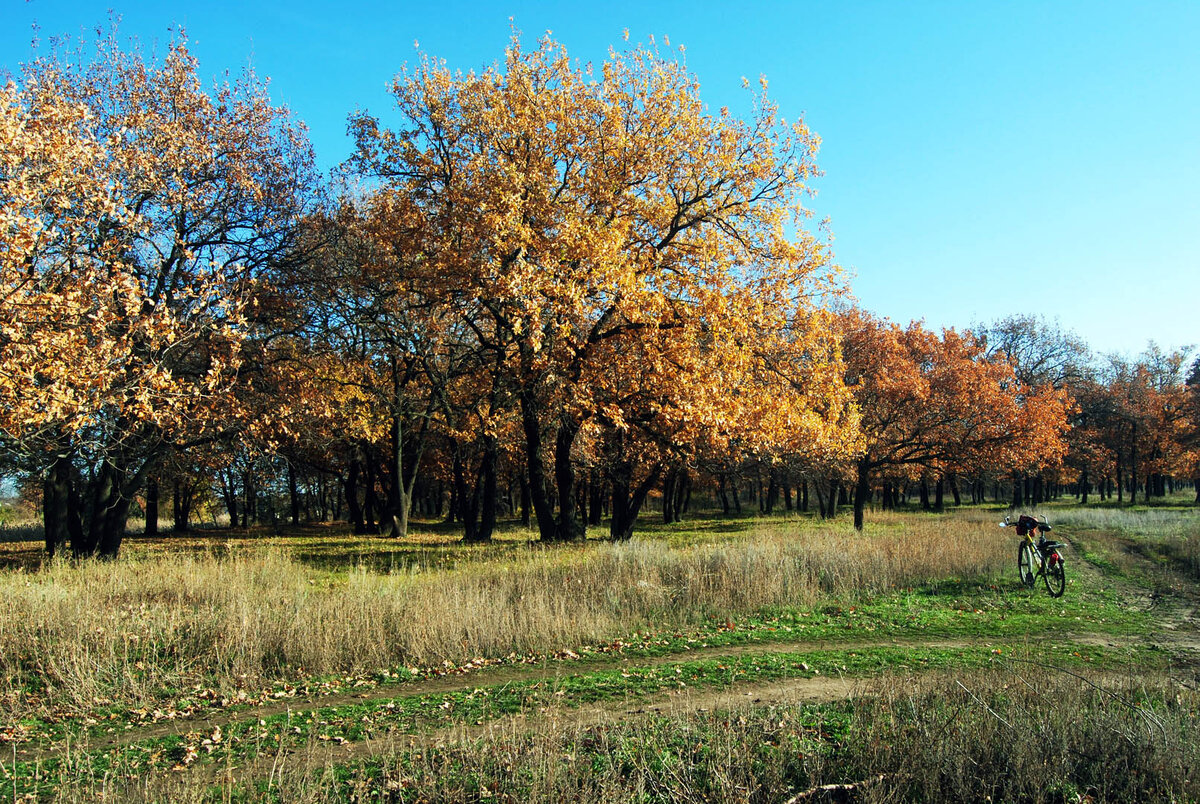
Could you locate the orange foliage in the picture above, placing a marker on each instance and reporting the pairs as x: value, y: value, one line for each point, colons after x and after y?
x: 938, y: 403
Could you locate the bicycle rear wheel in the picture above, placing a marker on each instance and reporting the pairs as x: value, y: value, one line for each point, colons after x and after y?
x: 1026, y: 564
x: 1055, y: 577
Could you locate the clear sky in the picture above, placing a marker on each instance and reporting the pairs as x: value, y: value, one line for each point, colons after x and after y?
x: 981, y: 158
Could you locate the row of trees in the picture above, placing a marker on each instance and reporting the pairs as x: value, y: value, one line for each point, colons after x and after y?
x: 554, y: 289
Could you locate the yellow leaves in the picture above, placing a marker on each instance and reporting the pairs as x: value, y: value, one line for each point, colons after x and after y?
x: 116, y: 313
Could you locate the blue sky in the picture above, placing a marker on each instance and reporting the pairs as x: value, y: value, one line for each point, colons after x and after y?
x: 981, y: 159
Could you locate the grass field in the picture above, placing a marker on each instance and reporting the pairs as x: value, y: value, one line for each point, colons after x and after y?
x: 774, y: 659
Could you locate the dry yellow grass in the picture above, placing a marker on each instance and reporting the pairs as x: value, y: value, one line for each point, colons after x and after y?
x: 123, y: 631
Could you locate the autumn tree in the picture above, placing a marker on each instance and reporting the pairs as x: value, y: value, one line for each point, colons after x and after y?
x: 1146, y: 426
x: 936, y: 402
x: 138, y: 210
x: 592, y: 211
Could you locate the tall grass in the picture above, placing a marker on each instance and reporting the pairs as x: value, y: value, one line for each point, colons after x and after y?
x: 125, y: 631
x: 1029, y: 737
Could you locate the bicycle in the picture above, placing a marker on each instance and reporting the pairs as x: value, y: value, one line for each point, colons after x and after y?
x: 1041, y: 557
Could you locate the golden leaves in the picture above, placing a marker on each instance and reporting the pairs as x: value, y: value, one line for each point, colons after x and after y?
x: 135, y: 202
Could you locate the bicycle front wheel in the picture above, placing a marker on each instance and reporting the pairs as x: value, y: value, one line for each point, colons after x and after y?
x: 1026, y: 564
x: 1055, y: 578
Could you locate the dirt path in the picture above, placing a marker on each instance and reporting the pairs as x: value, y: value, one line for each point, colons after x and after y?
x: 316, y: 756
x: 490, y: 677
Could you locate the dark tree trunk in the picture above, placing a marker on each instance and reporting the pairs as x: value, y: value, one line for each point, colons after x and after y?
x: 668, y: 496
x: 939, y: 495
x: 1133, y: 469
x: 181, y: 506
x: 787, y: 495
x: 924, y: 492
x: 772, y: 494
x: 353, y: 507
x: 821, y: 507
x: 479, y: 516
x: 954, y: 492
x: 371, y: 507
x: 836, y: 495
x: 627, y: 501
x: 60, y: 507
x: 683, y: 494
x: 293, y: 494
x: 457, y: 486
x: 862, y: 487
x: 110, y: 511
x: 250, y: 501
x: 804, y: 496
x: 538, y: 493
x: 568, y: 528
x: 487, y: 516
x: 523, y: 479
x: 721, y: 495
x: 401, y: 478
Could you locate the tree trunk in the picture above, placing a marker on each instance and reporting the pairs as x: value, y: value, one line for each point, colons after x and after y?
x: 526, y: 502
x: 772, y: 493
x: 353, y: 507
x: 538, y: 493
x: 181, y: 506
x: 479, y: 516
x: 721, y: 495
x: 862, y: 487
x: 399, y: 492
x: 250, y: 503
x: 627, y: 501
x: 60, y: 509
x: 372, y: 510
x: 820, y: 499
x: 293, y: 494
x: 683, y: 494
x: 568, y: 528
x: 668, y: 496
